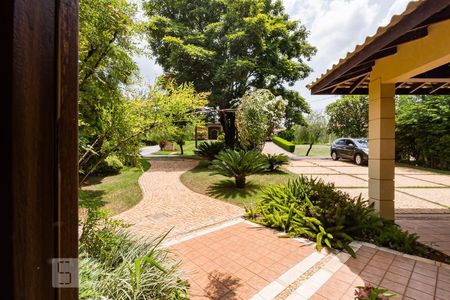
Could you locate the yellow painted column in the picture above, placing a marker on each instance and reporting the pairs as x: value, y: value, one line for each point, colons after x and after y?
x: 382, y: 147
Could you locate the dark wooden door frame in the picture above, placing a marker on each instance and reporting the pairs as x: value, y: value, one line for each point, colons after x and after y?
x: 39, y: 212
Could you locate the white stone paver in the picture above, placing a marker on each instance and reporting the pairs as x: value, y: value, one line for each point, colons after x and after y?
x: 167, y: 204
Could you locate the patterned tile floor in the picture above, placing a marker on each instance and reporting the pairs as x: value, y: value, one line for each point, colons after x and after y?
x: 238, y: 261
x: 407, y: 278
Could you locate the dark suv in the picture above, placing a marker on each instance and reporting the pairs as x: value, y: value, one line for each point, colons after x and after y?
x: 350, y: 148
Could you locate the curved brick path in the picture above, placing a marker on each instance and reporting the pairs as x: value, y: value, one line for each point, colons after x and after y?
x: 167, y: 203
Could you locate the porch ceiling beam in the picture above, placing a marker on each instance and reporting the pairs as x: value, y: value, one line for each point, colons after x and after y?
x: 417, y: 56
x: 439, y: 87
x: 434, y: 80
x: 356, y: 84
x: 417, y: 86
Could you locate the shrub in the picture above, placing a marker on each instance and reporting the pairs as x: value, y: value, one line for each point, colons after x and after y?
x: 259, y: 113
x: 110, y: 166
x: 316, y: 210
x: 114, y: 265
x: 286, y: 145
x: 209, y: 150
x: 239, y: 164
x: 221, y: 137
x: 288, y: 134
x: 276, y: 160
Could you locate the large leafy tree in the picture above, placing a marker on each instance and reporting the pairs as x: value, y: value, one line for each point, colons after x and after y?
x: 227, y: 46
x: 349, y: 116
x: 423, y: 130
x: 106, y: 67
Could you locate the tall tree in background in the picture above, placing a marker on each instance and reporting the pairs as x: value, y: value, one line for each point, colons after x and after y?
x: 106, y: 66
x: 227, y: 46
x: 349, y: 116
x: 314, y: 131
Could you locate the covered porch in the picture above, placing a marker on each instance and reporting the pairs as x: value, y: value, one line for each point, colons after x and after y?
x: 410, y: 56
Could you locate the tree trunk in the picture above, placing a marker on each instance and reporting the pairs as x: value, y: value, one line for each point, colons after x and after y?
x: 181, y: 149
x: 227, y: 119
x: 240, y: 181
x: 310, y: 146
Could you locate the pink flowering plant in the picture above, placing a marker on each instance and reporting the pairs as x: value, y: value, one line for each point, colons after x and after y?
x: 369, y: 292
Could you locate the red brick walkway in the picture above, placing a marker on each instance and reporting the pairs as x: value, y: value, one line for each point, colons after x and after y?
x: 408, y: 278
x: 238, y: 261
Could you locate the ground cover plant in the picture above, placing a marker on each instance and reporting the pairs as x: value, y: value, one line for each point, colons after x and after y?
x: 316, y: 210
x: 113, y: 193
x: 115, y: 265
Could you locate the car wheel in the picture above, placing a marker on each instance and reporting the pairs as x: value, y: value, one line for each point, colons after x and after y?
x: 334, y: 155
x: 358, y: 159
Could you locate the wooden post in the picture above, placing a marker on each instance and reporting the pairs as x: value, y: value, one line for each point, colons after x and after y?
x: 39, y: 215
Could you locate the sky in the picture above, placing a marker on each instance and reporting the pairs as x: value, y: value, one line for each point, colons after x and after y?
x: 335, y: 26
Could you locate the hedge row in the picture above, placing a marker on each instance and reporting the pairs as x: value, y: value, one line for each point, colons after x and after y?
x: 286, y: 145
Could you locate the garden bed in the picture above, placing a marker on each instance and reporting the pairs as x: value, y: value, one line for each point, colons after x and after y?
x: 201, y: 180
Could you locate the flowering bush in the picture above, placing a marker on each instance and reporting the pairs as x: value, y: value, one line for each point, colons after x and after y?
x: 369, y: 292
x: 258, y: 114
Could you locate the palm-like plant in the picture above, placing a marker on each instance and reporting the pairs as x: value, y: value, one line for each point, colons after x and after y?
x: 209, y: 150
x: 276, y: 160
x: 239, y: 164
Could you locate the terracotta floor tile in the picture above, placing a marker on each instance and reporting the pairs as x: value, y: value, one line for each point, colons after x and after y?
x: 441, y: 293
x: 424, y: 279
x: 417, y: 295
x: 396, y: 278
x: 257, y: 282
x: 429, y: 289
x: 393, y: 286
x: 399, y: 271
x: 443, y: 285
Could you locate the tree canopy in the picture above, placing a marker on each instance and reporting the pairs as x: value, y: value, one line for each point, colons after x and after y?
x: 106, y: 46
x: 227, y: 46
x: 349, y: 116
x: 423, y: 130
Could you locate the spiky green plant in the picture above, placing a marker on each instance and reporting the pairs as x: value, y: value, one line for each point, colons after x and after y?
x: 276, y: 160
x: 239, y: 164
x: 115, y: 265
x: 209, y: 150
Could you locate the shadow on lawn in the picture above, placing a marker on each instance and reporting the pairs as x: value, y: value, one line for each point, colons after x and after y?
x: 226, y: 189
x: 91, y: 198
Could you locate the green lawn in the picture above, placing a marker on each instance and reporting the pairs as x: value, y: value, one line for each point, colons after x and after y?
x: 316, y: 150
x: 201, y: 180
x: 189, y: 148
x: 114, y: 193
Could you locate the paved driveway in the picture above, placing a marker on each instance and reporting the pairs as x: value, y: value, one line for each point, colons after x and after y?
x: 416, y: 191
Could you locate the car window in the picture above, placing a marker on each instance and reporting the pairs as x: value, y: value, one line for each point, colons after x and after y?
x: 340, y: 142
x: 350, y: 142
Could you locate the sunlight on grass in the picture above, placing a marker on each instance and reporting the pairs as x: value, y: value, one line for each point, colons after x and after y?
x: 114, y: 193
x: 189, y: 148
x: 316, y: 150
x: 201, y: 180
